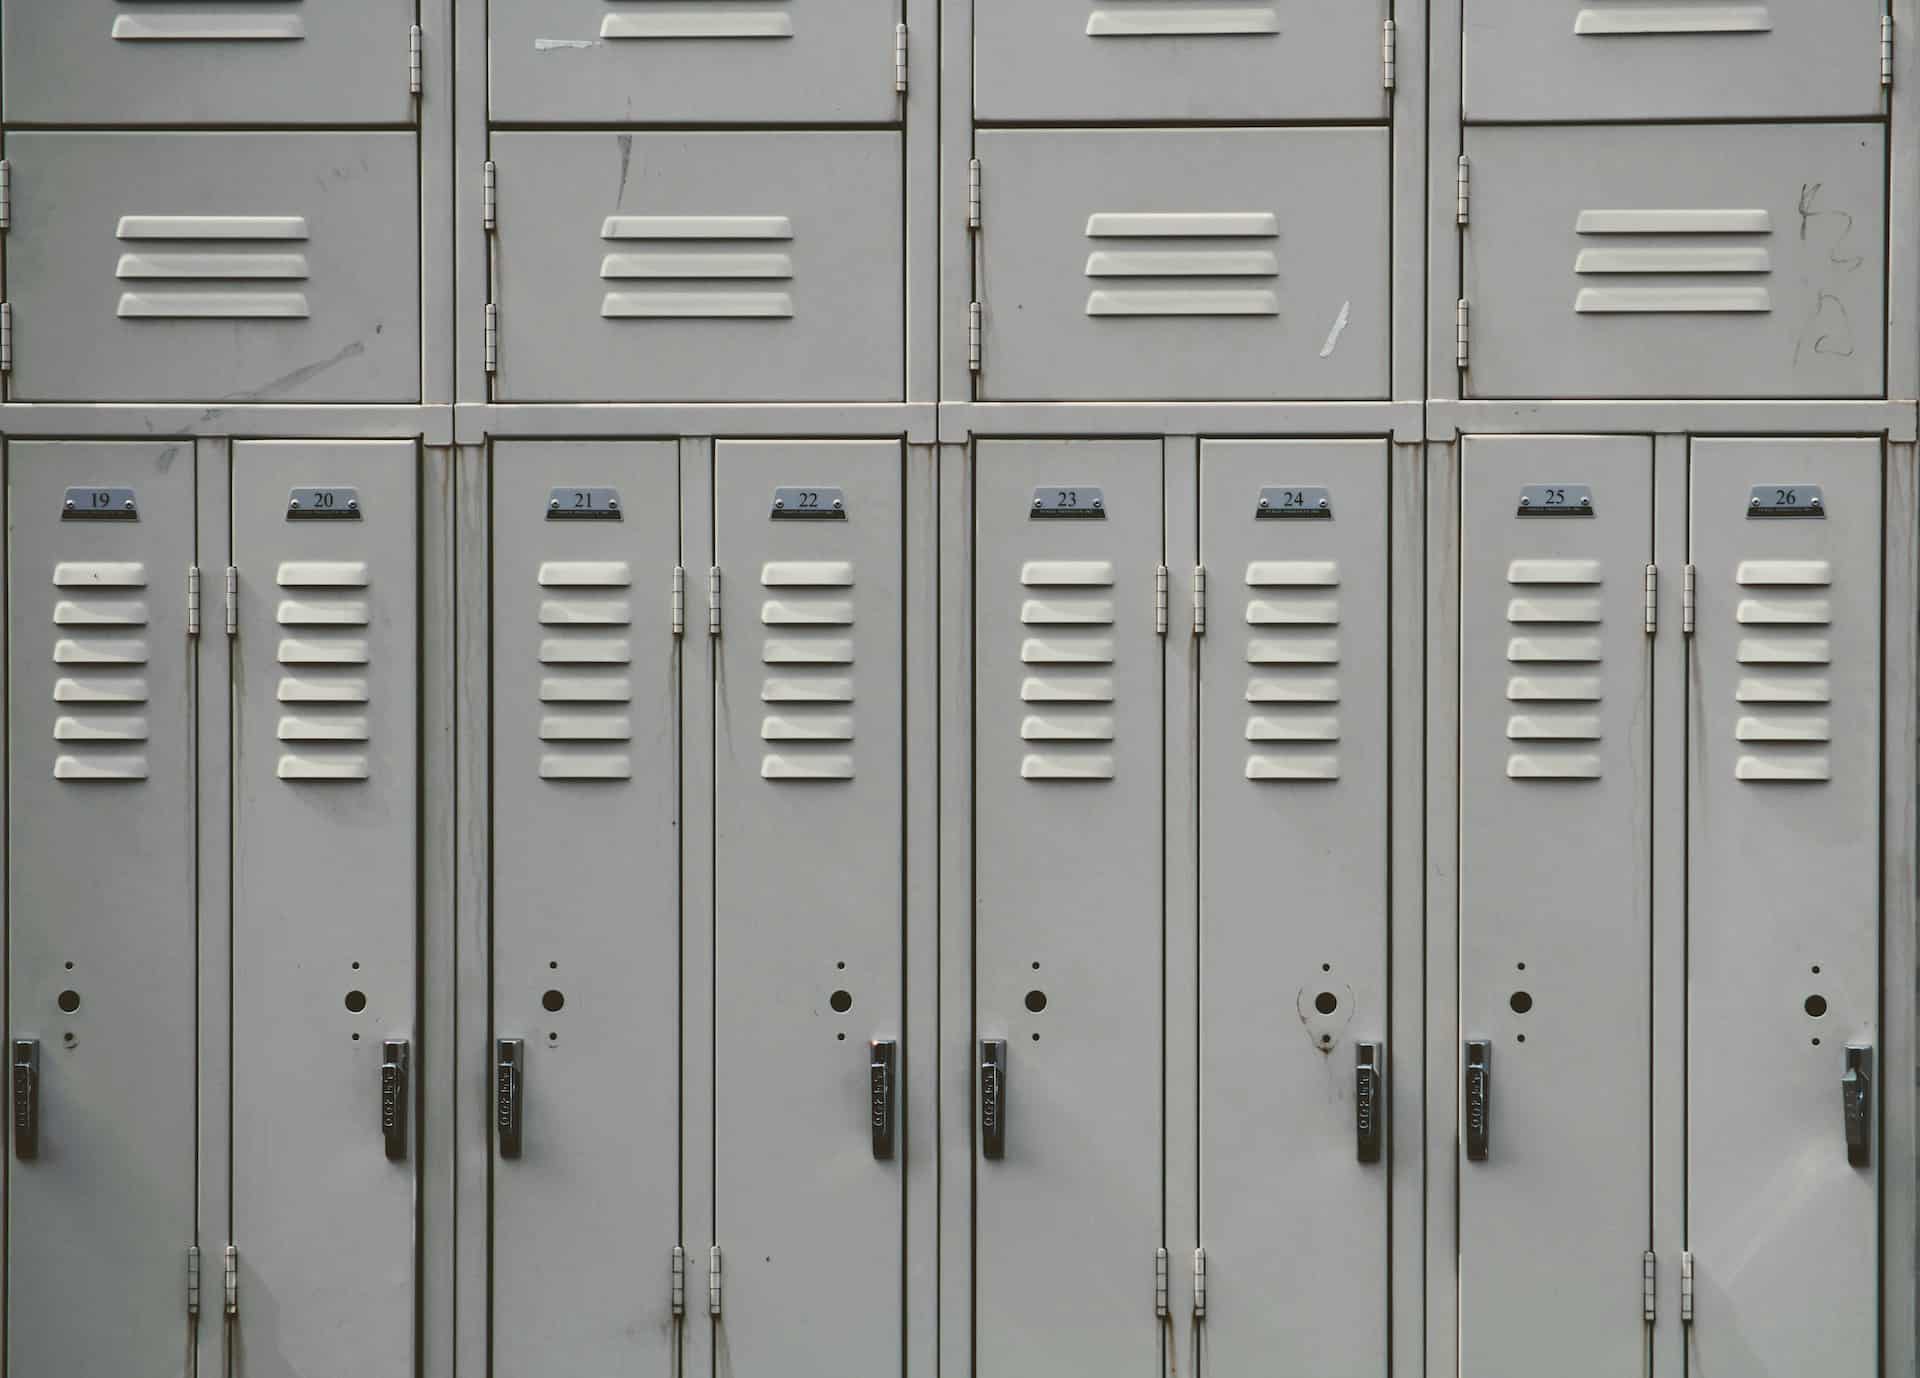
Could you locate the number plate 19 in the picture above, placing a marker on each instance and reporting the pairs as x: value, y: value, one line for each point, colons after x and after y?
x: 100, y: 504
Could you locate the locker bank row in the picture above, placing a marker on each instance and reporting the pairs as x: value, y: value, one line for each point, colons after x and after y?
x: 702, y: 699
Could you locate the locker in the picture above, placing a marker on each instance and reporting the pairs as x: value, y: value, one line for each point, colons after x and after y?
x: 707, y: 62
x: 1069, y: 918
x: 102, y: 953
x: 809, y: 876
x: 131, y: 62
x: 325, y: 865
x: 704, y: 266
x: 214, y: 267
x: 1292, y: 762
x: 1783, y: 857
x: 1704, y: 261
x: 586, y: 920
x: 1555, y: 902
x: 1179, y: 60
x: 1183, y: 264
x: 1672, y: 60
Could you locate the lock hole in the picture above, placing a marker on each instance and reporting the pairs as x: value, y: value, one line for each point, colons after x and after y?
x: 69, y: 1001
x: 1521, y: 1002
x: 553, y: 1002
x: 356, y: 1001
x: 841, y: 1000
x: 1326, y: 1002
x: 1036, y: 1000
x: 1816, y: 1005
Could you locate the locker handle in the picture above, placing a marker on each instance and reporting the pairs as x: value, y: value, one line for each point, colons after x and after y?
x: 394, y: 1064
x: 26, y: 1098
x: 880, y: 1097
x: 508, y: 1062
x: 1856, y: 1103
x: 993, y: 1097
x: 1369, y: 1100
x: 1479, y: 1075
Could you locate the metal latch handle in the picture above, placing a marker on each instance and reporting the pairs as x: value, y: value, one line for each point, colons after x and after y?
x: 1369, y: 1100
x: 993, y: 1097
x: 880, y: 1096
x: 1856, y: 1103
x: 1479, y: 1077
x: 508, y: 1069
x: 26, y: 1098
x: 394, y: 1065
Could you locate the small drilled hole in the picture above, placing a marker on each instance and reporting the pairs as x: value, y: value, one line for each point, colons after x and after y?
x: 1036, y: 1000
x: 1814, y: 970
x: 839, y: 966
x: 840, y: 1037
x: 1326, y: 966
x: 1326, y: 1038
x: 70, y: 967
x: 1521, y: 1002
x: 553, y: 1038
x: 553, y: 966
x: 1519, y: 966
x: 1520, y: 1038
x: 553, y: 1002
x: 1036, y: 1038
x: 1816, y: 1005
x: 1326, y: 1002
x: 1036, y: 966
x: 356, y: 1000
x: 356, y: 966
x: 842, y: 1001
x: 69, y: 1000
x: 356, y: 1038
x: 67, y: 1039
x: 1816, y: 1043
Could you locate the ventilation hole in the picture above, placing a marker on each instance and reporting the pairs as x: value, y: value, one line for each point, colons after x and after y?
x: 1816, y: 1005
x: 1521, y: 1002
x: 842, y: 1001
x: 69, y: 1000
x: 1036, y: 1000
x: 356, y: 1000
x: 1326, y: 1002
x: 553, y: 1002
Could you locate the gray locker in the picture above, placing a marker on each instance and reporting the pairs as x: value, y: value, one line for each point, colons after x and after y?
x: 704, y: 62
x: 325, y: 907
x: 126, y: 62
x: 704, y: 266
x: 1179, y: 60
x: 1783, y: 928
x: 1183, y: 264
x: 1069, y: 919
x: 1672, y: 59
x: 1555, y: 902
x: 214, y: 267
x: 102, y: 956
x: 586, y: 920
x: 1705, y: 261
x: 809, y: 884
x: 1293, y: 905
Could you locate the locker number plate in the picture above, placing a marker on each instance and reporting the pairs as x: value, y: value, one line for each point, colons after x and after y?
x: 1556, y: 500
x: 820, y: 504
x: 100, y: 504
x: 583, y: 504
x: 1277, y: 504
x: 1786, y: 500
x: 1084, y: 504
x: 338, y: 504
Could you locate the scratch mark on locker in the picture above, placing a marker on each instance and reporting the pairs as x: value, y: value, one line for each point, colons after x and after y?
x: 626, y: 163
x: 299, y: 375
x: 1339, y: 324
x: 548, y: 45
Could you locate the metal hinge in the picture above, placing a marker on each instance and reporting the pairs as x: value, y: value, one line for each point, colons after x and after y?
x: 1388, y: 44
x: 233, y: 601
x: 490, y: 196
x: 1160, y: 1283
x: 6, y: 194
x: 900, y: 59
x: 233, y: 1281
x: 1199, y: 600
x: 1160, y: 613
x: 973, y: 337
x: 6, y: 337
x: 1646, y: 1285
x: 193, y: 604
x: 1686, y: 1289
x: 679, y: 605
x: 415, y: 65
x: 193, y: 1279
x: 491, y: 349
x: 713, y: 601
x: 679, y: 1291
x: 1686, y: 601
x: 1462, y: 316
x: 1653, y: 608
x: 713, y: 1281
x: 1462, y: 190
x: 973, y: 193
x: 1199, y: 1284
x: 1886, y: 50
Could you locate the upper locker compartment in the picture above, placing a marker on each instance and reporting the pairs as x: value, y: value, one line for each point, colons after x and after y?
x: 1702, y: 261
x: 1179, y: 60
x: 129, y: 62
x: 1671, y: 59
x: 1183, y: 265
x: 700, y: 267
x: 694, y: 61
x: 214, y: 267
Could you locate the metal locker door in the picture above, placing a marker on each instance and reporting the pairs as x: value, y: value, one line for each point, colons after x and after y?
x: 809, y: 894
x: 1293, y: 906
x: 710, y: 62
x: 125, y: 62
x: 1183, y: 264
x: 1705, y: 261
x: 325, y: 866
x: 1179, y: 60
x: 1672, y: 59
x: 1783, y: 925
x: 586, y: 918
x: 102, y: 953
x: 704, y: 266
x: 214, y: 267
x: 1068, y: 915
x: 1555, y: 903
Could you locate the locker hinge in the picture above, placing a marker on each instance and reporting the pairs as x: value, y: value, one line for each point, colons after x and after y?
x: 900, y: 59
x: 713, y: 604
x: 1686, y: 1289
x: 1646, y: 1285
x: 679, y: 1288
x: 193, y: 600
x: 1686, y: 601
x: 415, y: 65
x: 973, y: 193
x: 1388, y: 44
x: 679, y: 600
x: 1160, y: 1283
x: 233, y: 1281
x: 1160, y: 609
x: 1886, y: 50
x: 233, y: 601
x: 193, y: 1280
x: 6, y: 194
x: 1199, y: 600
x: 973, y: 337
x: 713, y: 1281
x: 1462, y: 338
x: 491, y: 349
x: 6, y: 337
x: 490, y: 196
x: 1462, y: 190
x: 1199, y: 1284
x: 1653, y: 603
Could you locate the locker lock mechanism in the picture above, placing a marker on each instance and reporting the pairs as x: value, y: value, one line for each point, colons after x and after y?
x: 993, y: 1098
x: 508, y: 1062
x: 880, y: 1096
x: 1856, y: 1103
x: 1479, y: 1088
x: 1369, y: 1100
x: 394, y: 1065
x: 26, y: 1098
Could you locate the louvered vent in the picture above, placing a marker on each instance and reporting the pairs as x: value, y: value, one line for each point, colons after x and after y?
x: 209, y: 21
x: 1293, y: 684
x: 100, y: 685
x: 697, y: 267
x: 700, y: 19
x: 1173, y: 18
x: 213, y: 267
x: 1674, y: 262
x: 324, y: 610
x: 1068, y: 650
x: 807, y: 619
x: 586, y: 684
x: 1784, y: 648
x: 1611, y: 20
x: 1553, y: 685
x: 1217, y: 263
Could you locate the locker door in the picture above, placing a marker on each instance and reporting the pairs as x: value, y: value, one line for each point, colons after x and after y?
x: 1293, y: 905
x: 710, y: 62
x: 1709, y: 261
x: 1179, y: 60
x: 809, y: 893
x: 213, y: 267
x: 1783, y: 849
x: 101, y: 951
x: 325, y: 906
x: 586, y: 919
x: 1672, y: 59
x: 1183, y: 264
x: 704, y: 266
x: 1555, y: 903
x: 125, y: 62
x: 1069, y: 921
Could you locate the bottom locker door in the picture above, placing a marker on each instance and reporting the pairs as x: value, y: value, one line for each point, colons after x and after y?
x: 809, y: 876
x: 586, y: 920
x: 1068, y: 913
x: 1293, y: 906
x: 101, y: 908
x: 1783, y: 924
x: 1555, y: 904
x: 325, y: 907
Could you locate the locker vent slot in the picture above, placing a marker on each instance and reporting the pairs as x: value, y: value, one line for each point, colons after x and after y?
x: 1553, y: 685
x: 212, y: 267
x: 210, y: 22
x: 1676, y: 16
x: 1293, y: 684
x: 324, y: 650
x: 1783, y: 618
x: 100, y: 690
x: 807, y: 685
x: 586, y: 610
x: 1069, y: 648
x: 697, y: 267
x: 1161, y: 19
x: 700, y: 19
x: 1222, y: 263
x: 1674, y: 261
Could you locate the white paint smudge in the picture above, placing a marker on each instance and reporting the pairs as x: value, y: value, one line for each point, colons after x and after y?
x: 547, y: 45
x: 1339, y: 324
